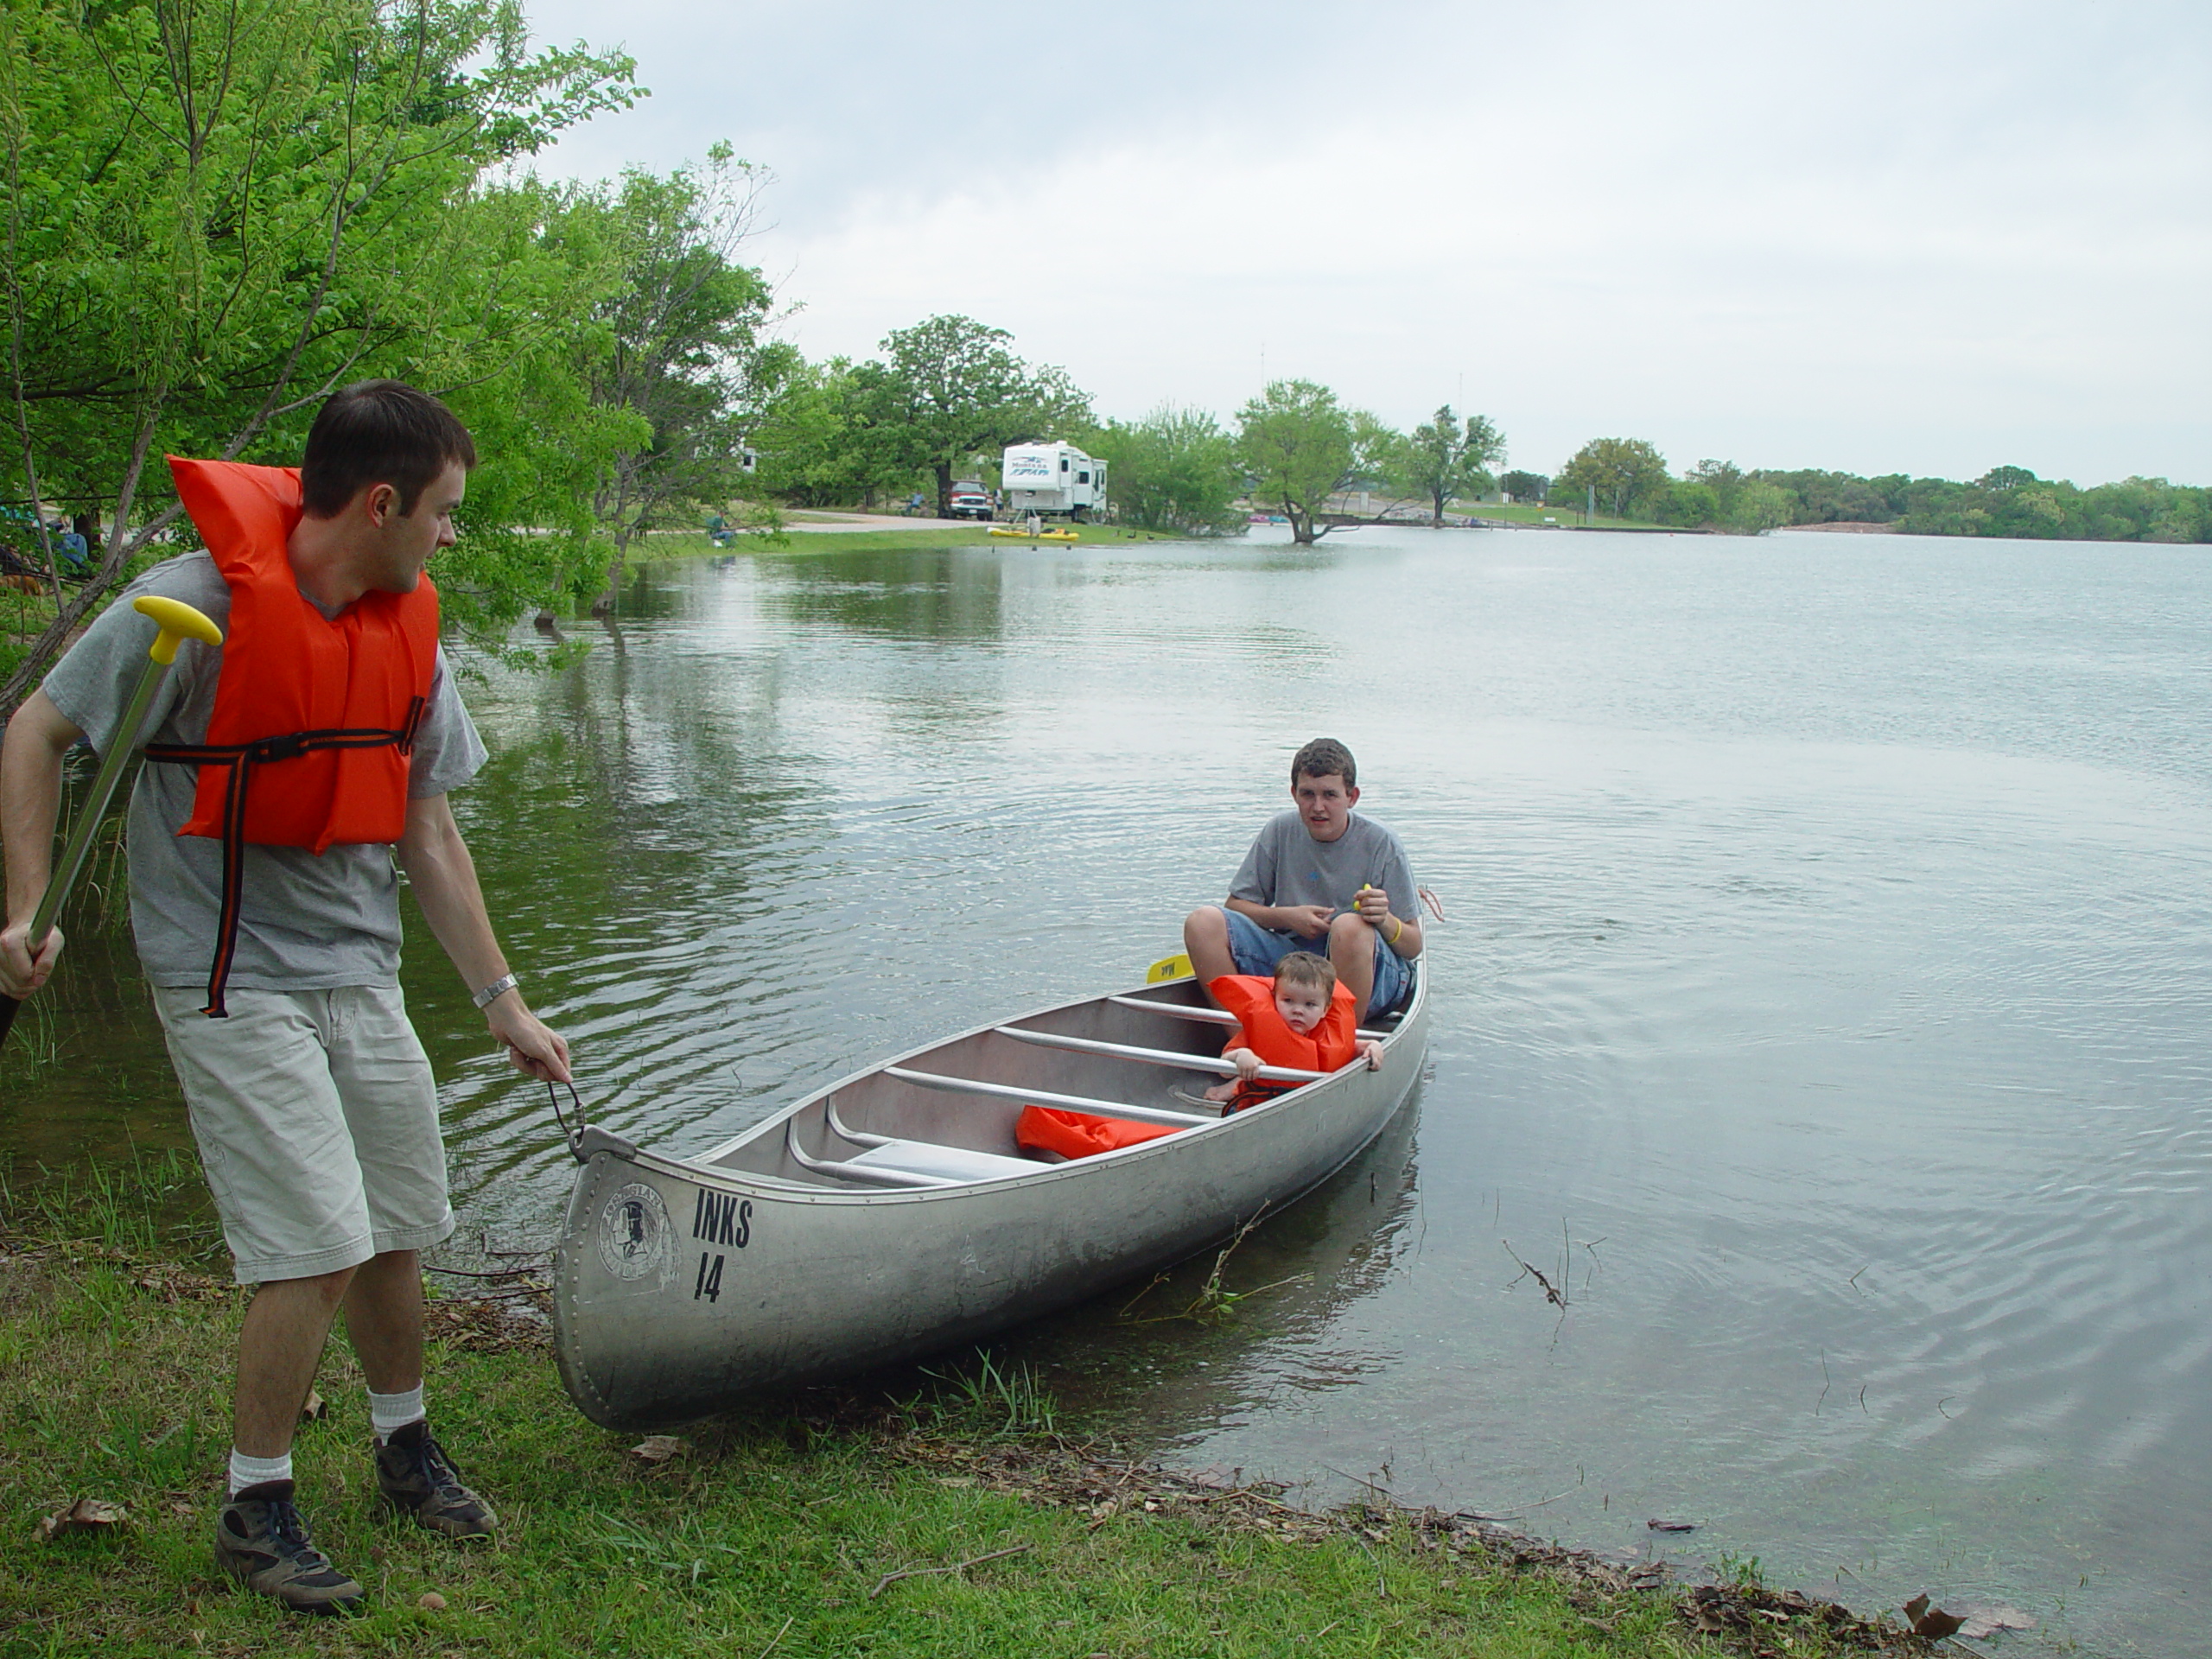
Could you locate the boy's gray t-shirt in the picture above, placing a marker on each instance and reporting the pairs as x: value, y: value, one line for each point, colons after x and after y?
x: 1287, y: 866
x: 306, y: 923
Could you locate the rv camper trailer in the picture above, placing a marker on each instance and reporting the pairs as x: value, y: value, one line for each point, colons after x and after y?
x: 1052, y: 480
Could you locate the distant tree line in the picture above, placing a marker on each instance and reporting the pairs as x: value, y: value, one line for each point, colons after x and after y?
x: 1630, y: 479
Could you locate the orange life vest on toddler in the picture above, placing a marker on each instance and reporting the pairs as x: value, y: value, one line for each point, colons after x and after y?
x: 1329, y: 1046
x: 314, y: 719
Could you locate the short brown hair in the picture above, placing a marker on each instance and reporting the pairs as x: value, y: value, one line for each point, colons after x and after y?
x: 380, y: 432
x: 1304, y: 968
x: 1324, y: 758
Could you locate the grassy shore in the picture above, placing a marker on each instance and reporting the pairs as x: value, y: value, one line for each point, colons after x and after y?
x: 958, y: 1520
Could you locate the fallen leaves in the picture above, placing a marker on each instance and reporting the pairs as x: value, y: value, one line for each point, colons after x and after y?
x: 86, y: 1515
x: 1929, y: 1621
x: 659, y: 1449
x: 1672, y: 1526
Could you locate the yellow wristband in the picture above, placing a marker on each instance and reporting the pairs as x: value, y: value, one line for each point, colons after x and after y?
x: 1397, y: 927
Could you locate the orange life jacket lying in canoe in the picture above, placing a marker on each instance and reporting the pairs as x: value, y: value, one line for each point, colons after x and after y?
x: 1329, y: 1046
x: 1079, y: 1134
x: 314, y: 720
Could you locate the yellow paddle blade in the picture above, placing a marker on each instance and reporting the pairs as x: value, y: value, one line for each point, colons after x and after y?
x: 178, y: 622
x: 1175, y: 966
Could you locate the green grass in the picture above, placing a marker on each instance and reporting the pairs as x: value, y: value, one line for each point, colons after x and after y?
x: 774, y: 1530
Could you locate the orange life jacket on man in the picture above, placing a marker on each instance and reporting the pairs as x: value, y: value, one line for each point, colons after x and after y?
x: 314, y: 719
x: 1260, y: 1026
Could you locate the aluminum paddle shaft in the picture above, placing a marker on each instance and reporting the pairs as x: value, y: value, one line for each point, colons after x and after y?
x: 175, y: 622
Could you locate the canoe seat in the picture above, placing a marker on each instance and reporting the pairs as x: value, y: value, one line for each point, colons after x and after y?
x: 945, y: 1163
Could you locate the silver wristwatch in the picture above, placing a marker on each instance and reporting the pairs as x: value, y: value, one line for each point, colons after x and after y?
x: 498, y: 987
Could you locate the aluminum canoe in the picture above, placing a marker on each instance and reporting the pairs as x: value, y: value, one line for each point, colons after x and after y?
x: 892, y: 1215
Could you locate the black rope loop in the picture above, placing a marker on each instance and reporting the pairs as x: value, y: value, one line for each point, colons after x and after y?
x: 576, y: 1135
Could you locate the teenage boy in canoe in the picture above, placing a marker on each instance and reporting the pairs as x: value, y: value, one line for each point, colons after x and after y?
x: 1318, y: 877
x: 311, y: 1098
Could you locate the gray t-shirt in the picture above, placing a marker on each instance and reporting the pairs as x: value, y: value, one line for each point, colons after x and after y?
x: 1287, y: 866
x: 306, y: 923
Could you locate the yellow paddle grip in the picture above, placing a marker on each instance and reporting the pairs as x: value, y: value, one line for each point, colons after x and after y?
x: 178, y: 622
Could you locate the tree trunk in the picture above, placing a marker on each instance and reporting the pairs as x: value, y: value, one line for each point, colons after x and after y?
x: 943, y: 469
x: 604, y: 605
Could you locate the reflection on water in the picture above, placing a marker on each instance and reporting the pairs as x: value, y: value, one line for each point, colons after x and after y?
x: 1821, y: 1007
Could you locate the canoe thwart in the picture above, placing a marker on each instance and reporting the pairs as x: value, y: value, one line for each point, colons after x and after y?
x: 1218, y: 1066
x: 1047, y: 1097
x: 1207, y: 1016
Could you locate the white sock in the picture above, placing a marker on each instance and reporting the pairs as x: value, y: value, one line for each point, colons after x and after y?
x: 389, y: 1413
x: 251, y: 1471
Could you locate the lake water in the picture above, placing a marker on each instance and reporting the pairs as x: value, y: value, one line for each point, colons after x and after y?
x: 1821, y: 1005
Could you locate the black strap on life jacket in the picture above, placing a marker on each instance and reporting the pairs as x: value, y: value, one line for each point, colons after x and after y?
x: 242, y: 758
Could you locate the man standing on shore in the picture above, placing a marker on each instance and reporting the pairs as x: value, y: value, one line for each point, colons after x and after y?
x: 1322, y: 879
x: 317, y: 742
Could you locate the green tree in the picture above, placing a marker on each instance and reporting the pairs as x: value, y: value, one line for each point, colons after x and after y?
x: 1298, y: 447
x: 1443, y: 461
x: 1525, y: 486
x: 955, y: 391
x: 215, y: 212
x: 1175, y: 470
x: 678, y: 346
x: 1625, y: 472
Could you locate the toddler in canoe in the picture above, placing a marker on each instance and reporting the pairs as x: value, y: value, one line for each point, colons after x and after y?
x: 1302, y: 1019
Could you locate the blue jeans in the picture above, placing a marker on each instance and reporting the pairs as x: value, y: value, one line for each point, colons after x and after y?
x: 1257, y: 950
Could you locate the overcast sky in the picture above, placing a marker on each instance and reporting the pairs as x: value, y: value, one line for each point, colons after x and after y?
x: 1930, y: 238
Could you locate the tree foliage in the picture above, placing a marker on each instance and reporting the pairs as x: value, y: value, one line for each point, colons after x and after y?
x: 1299, y: 445
x: 1175, y: 471
x: 676, y: 345
x: 215, y: 212
x: 1627, y: 473
x: 953, y: 390
x: 1443, y: 460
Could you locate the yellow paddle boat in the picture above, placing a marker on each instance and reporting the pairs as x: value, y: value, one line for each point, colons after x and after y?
x: 1015, y: 532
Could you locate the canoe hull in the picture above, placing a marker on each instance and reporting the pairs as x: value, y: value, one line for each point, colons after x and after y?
x: 683, y: 1287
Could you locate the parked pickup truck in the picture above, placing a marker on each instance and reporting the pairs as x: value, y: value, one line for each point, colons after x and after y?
x: 967, y: 504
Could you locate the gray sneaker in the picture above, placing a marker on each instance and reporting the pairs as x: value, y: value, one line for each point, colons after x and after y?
x: 261, y: 1540
x: 417, y: 1479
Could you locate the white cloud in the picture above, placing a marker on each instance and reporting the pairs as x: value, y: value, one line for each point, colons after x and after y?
x: 1929, y: 238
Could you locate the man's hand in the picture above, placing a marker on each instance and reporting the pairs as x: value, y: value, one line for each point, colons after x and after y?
x: 533, y: 1046
x: 21, y: 973
x: 1307, y: 921
x: 1372, y: 905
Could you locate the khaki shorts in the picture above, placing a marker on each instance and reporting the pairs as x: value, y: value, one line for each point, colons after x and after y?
x: 317, y: 1122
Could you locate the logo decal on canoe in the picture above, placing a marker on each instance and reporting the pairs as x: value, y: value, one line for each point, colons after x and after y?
x: 633, y: 1232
